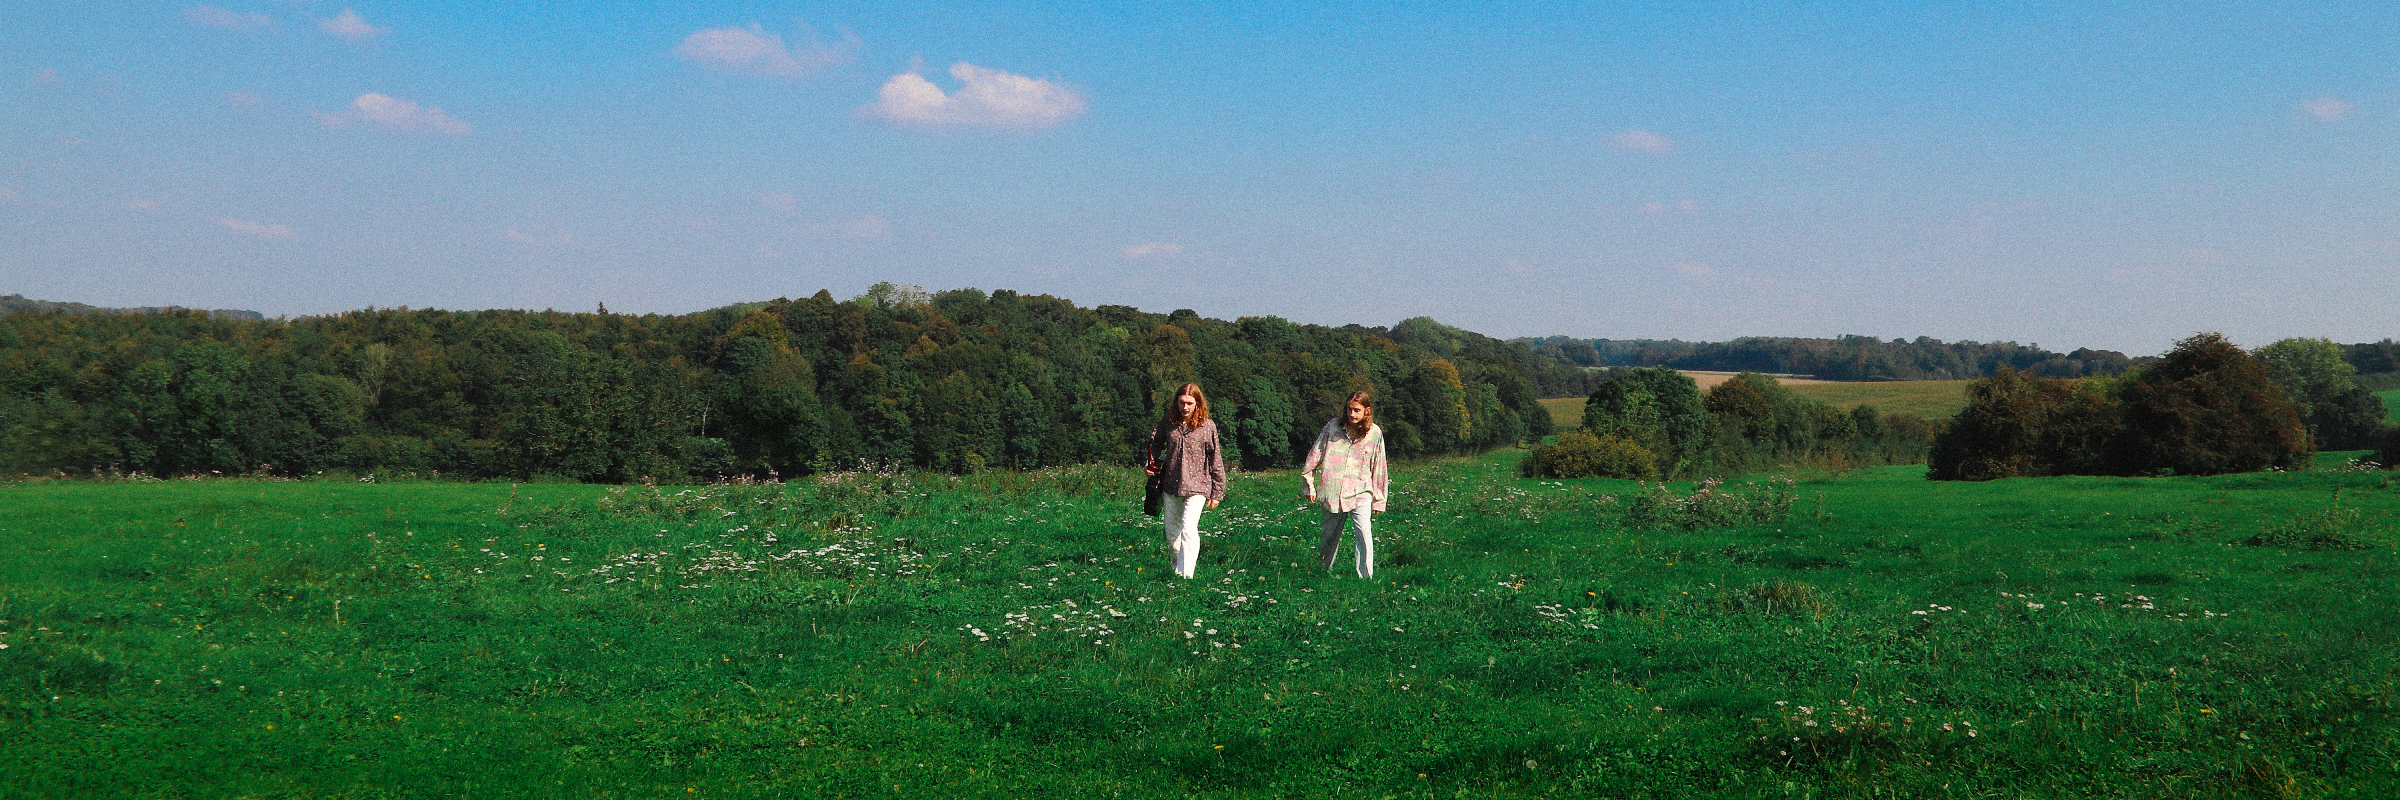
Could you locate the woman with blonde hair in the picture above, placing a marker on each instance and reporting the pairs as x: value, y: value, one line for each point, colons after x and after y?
x: 1189, y: 468
x: 1345, y: 474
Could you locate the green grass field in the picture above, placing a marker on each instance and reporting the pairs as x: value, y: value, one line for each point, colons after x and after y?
x: 1016, y: 635
x: 2391, y: 405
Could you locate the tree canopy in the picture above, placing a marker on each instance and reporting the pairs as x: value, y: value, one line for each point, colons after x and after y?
x: 957, y: 380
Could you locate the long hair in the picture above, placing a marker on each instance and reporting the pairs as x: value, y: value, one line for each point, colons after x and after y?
x: 1358, y: 431
x: 1199, y: 410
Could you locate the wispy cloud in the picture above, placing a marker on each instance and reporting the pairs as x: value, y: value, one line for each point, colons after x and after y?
x: 208, y: 16
x: 863, y: 226
x: 754, y: 51
x: 553, y: 240
x: 1695, y: 269
x: 141, y: 204
x: 779, y: 201
x: 1642, y: 141
x: 2328, y: 108
x: 1149, y: 250
x: 989, y: 98
x: 244, y: 99
x: 9, y: 197
x: 395, y: 113
x: 259, y: 229
x: 47, y: 77
x: 349, y: 25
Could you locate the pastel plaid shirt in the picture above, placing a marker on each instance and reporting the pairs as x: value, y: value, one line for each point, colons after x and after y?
x: 1346, y: 470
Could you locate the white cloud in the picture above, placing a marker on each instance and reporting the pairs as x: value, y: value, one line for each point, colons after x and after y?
x: 554, y: 240
x: 349, y: 25
x: 395, y: 113
x: 754, y: 51
x: 144, y: 205
x: 1643, y: 141
x: 213, y: 17
x: 2328, y: 108
x: 46, y: 77
x: 1695, y: 269
x: 1153, y: 250
x: 9, y: 197
x: 259, y: 229
x: 864, y: 226
x: 856, y: 226
x: 990, y: 98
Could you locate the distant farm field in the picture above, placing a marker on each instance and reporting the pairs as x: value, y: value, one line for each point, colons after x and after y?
x: 2391, y: 405
x: 1567, y: 412
x: 1865, y: 633
x: 1928, y: 399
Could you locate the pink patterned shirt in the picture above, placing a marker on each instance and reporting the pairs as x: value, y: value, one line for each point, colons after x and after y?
x: 1348, y: 471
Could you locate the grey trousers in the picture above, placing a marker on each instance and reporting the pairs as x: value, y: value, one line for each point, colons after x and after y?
x: 1362, y: 521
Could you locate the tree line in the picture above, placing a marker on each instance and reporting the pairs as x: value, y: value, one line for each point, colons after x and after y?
x: 1867, y: 358
x: 958, y: 380
x: 1647, y: 423
x: 1847, y: 358
x: 2207, y: 408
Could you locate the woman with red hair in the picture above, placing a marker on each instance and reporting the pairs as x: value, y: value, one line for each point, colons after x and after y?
x: 1190, y: 469
x: 1345, y: 474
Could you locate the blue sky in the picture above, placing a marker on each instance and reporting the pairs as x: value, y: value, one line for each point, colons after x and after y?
x: 2072, y: 174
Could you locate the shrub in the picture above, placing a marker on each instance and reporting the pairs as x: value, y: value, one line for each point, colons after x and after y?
x: 1762, y: 425
x: 1712, y: 505
x: 2017, y: 426
x: 2324, y: 390
x: 1579, y: 454
x: 1657, y: 407
x: 2334, y: 528
x: 2209, y: 409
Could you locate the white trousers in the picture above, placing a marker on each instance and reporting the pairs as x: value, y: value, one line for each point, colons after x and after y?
x: 1182, y: 515
x: 1362, y: 521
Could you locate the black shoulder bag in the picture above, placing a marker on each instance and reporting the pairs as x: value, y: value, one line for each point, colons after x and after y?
x: 1154, y: 492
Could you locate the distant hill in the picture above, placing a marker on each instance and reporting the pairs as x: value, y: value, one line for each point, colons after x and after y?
x: 20, y: 304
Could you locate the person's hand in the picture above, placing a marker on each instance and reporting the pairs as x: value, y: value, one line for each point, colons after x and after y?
x: 1308, y: 498
x: 1150, y: 468
x: 1212, y: 505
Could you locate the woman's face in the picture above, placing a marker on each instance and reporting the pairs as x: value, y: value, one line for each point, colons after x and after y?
x: 1355, y: 414
x: 1186, y: 403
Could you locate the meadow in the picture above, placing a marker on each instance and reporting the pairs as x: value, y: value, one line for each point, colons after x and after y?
x: 902, y: 634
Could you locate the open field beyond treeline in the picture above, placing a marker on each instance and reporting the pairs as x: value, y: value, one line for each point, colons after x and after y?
x: 1928, y: 399
x: 1867, y: 634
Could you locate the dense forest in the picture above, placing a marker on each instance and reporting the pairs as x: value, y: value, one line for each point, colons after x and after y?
x: 960, y: 381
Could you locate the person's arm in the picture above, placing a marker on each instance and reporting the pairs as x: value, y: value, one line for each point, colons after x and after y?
x: 1216, y: 466
x: 1308, y: 471
x: 1150, y: 456
x: 1378, y: 477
